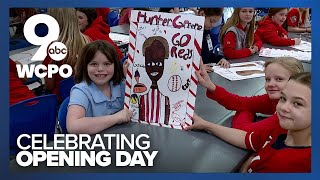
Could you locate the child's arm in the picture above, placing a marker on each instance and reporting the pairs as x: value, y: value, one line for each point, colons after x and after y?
x: 235, y: 137
x: 272, y: 37
x: 77, y: 123
x: 257, y: 41
x: 261, y: 104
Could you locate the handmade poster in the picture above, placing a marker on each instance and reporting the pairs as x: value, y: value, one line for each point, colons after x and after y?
x: 271, y: 52
x: 25, y: 56
x: 164, y: 53
x: 303, y: 46
x: 241, y: 71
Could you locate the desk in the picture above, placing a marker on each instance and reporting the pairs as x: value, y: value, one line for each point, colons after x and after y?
x: 183, y: 151
x: 121, y: 29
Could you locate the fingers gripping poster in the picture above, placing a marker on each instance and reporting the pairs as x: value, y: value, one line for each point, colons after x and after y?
x: 164, y: 53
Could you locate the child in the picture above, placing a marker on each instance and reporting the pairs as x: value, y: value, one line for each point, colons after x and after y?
x: 212, y: 15
x: 298, y: 20
x: 18, y: 91
x: 97, y: 101
x: 170, y: 10
x: 237, y: 35
x: 277, y: 73
x: 270, y: 28
x: 95, y: 27
x: 71, y: 36
x: 284, y: 145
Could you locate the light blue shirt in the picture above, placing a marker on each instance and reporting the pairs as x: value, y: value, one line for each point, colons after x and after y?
x: 94, y: 101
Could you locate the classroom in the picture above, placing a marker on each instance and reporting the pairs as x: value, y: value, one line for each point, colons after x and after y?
x: 215, y: 90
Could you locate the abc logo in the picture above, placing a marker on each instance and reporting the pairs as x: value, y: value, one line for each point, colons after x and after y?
x: 57, y: 51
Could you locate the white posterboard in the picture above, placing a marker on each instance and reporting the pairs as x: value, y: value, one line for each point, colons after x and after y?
x: 164, y: 53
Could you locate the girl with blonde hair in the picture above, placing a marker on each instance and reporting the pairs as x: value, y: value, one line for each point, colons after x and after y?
x: 237, y: 35
x: 277, y: 73
x: 71, y: 36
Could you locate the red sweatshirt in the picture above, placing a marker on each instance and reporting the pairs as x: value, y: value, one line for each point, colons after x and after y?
x: 255, y: 104
x: 99, y: 30
x: 103, y: 12
x: 229, y: 45
x: 294, y: 19
x: 272, y: 33
x: 18, y: 91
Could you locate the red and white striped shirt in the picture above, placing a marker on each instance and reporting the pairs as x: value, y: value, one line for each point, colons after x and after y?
x: 152, y: 106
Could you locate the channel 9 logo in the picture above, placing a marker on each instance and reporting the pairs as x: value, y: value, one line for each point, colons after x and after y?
x: 56, y: 50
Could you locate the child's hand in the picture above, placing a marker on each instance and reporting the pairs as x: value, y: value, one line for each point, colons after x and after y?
x: 284, y: 36
x: 224, y: 63
x: 124, y: 116
x: 297, y: 41
x: 204, y: 78
x: 125, y: 67
x: 198, y: 123
x: 254, y: 49
x: 208, y: 68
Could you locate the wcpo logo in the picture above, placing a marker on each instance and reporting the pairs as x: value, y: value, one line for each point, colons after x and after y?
x: 48, y: 46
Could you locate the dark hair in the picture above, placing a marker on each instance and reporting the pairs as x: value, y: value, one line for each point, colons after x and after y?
x: 165, y: 9
x: 88, y: 53
x: 303, y: 78
x: 91, y: 14
x: 273, y: 11
x: 212, y: 11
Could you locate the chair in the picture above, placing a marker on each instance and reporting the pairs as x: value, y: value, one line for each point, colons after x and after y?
x: 65, y: 87
x: 62, y: 115
x: 112, y: 16
x: 216, y: 50
x: 124, y: 59
x: 32, y: 116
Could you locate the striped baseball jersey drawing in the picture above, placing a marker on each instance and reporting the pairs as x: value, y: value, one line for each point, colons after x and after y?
x: 152, y: 107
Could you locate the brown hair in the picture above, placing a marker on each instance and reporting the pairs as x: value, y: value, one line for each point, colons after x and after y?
x: 89, y: 52
x: 291, y: 64
x: 212, y: 11
x: 303, y: 78
x: 150, y: 40
x: 91, y: 14
x: 233, y: 21
x: 273, y: 11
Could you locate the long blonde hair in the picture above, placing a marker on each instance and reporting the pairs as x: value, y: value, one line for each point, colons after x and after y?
x: 233, y: 21
x: 70, y: 33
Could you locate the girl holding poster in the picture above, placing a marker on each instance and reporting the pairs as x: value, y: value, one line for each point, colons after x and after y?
x: 97, y: 101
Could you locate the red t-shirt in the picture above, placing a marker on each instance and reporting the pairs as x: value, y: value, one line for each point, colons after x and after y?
x: 272, y: 153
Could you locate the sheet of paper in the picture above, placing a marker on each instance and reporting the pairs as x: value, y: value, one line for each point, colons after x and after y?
x: 241, y: 71
x: 25, y: 56
x: 272, y: 52
x: 303, y: 46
